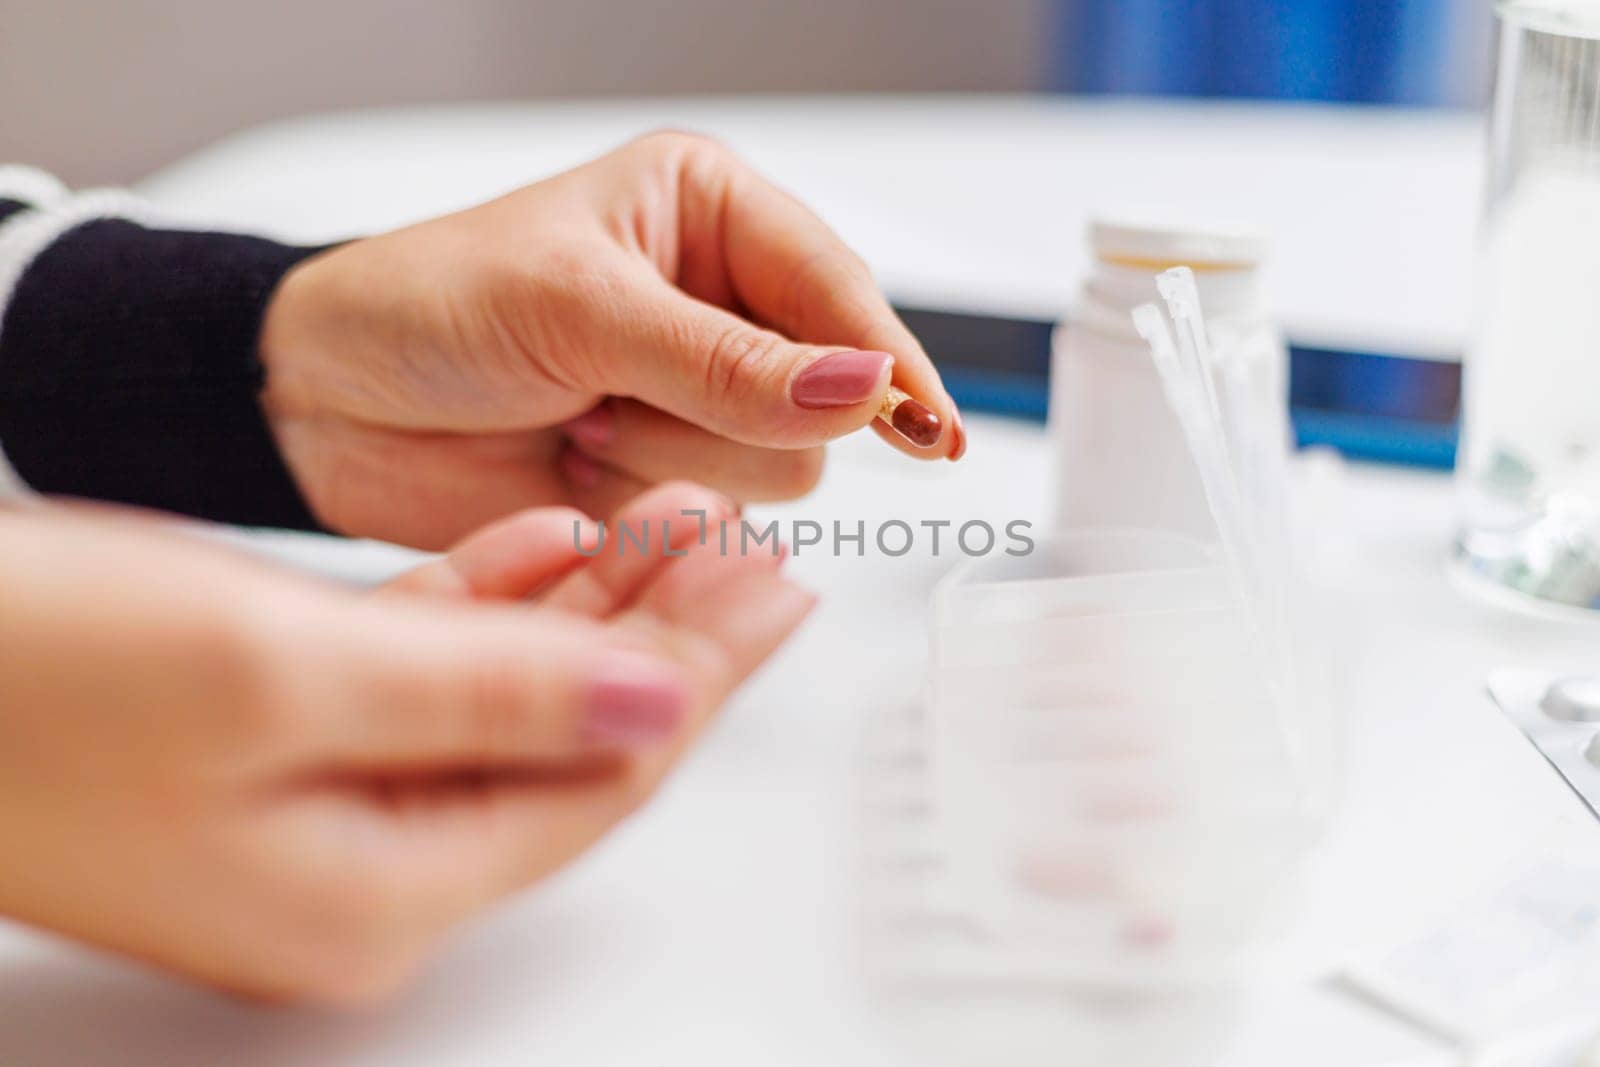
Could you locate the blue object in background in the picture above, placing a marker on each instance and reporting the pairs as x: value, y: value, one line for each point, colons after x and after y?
x: 1350, y: 51
x: 1366, y: 405
x: 1376, y: 407
x: 1405, y: 52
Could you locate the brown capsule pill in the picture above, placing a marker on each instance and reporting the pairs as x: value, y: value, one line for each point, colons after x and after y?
x: 911, y: 419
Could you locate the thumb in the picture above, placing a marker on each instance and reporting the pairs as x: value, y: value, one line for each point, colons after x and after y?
x: 736, y: 379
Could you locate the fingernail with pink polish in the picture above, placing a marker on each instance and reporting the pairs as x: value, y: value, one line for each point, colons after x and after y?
x: 959, y: 448
x: 582, y: 470
x: 840, y: 380
x: 595, y: 428
x: 634, y: 701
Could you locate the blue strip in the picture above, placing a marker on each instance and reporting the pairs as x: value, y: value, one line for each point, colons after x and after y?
x: 1354, y: 51
x: 1382, y: 440
x: 1023, y: 396
x: 1379, y: 438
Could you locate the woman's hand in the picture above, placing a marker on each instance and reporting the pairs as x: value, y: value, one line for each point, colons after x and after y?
x: 662, y: 312
x: 293, y: 790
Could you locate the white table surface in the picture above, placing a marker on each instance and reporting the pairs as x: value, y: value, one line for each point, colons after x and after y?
x: 718, y: 926
x: 969, y: 201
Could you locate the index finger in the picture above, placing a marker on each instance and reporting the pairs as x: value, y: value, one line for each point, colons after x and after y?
x: 791, y: 271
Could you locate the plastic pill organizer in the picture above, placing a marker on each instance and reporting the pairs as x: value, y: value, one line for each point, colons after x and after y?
x: 1116, y: 779
x: 1560, y: 714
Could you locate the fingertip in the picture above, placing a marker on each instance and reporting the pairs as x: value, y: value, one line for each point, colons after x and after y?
x: 652, y: 529
x: 531, y: 525
x: 521, y: 553
x: 805, y: 601
x: 687, y: 514
x: 682, y: 497
x: 635, y: 700
x: 437, y: 577
x: 581, y: 470
x: 595, y: 429
x: 587, y: 539
x: 743, y: 600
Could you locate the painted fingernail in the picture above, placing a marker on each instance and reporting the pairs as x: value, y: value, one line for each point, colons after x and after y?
x: 634, y: 701
x: 595, y: 428
x: 911, y: 419
x: 840, y: 379
x: 959, y: 432
x: 1149, y: 933
x: 582, y: 470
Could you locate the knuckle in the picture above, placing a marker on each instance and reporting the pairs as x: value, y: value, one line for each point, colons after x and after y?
x: 554, y: 306
x: 841, y: 263
x: 830, y: 282
x: 686, y: 159
x: 680, y: 143
x: 742, y: 360
x: 237, y: 660
x: 569, y: 274
x: 495, y: 694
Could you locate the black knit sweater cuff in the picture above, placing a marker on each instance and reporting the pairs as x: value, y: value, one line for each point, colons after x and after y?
x: 129, y: 372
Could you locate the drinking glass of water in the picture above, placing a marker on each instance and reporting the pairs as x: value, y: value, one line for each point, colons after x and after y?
x: 1529, y: 468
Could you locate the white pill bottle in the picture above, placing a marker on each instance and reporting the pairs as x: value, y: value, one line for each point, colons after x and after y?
x: 1121, y: 457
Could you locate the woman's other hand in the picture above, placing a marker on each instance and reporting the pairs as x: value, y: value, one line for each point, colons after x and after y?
x: 294, y: 790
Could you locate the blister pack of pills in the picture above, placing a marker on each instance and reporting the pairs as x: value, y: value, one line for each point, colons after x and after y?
x: 1560, y: 714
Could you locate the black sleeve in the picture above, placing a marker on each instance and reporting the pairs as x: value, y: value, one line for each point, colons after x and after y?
x: 129, y: 372
x: 10, y: 206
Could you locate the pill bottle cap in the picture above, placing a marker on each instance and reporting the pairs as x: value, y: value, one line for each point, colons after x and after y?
x: 1158, y: 247
x: 1128, y: 255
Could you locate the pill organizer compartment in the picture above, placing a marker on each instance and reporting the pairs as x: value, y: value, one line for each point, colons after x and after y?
x: 1111, y: 775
